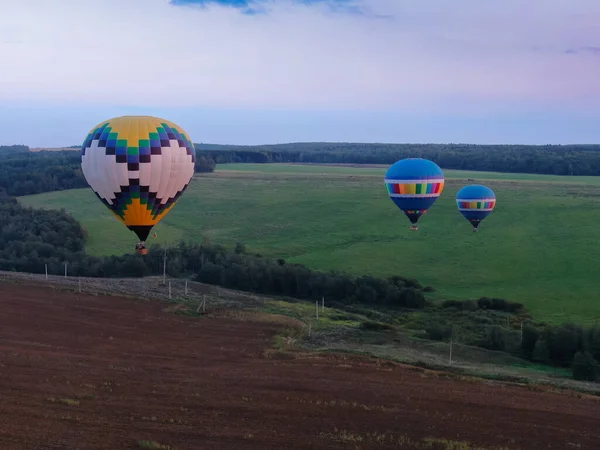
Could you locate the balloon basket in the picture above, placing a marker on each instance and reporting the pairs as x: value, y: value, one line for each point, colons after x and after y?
x: 475, y: 230
x: 413, y: 228
x: 141, y: 249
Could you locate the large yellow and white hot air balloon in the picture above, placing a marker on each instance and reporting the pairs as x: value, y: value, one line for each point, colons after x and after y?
x: 138, y: 166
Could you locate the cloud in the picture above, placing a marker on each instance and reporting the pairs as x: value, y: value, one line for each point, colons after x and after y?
x: 428, y: 56
x: 262, y: 6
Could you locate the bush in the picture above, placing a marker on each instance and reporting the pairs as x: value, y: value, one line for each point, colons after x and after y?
x: 469, y: 305
x: 495, y: 338
x: 585, y: 367
x: 530, y: 337
x: 485, y: 303
x: 371, y: 325
x: 452, y: 304
x: 564, y: 342
x: 439, y: 332
x: 540, y: 352
x: 412, y: 298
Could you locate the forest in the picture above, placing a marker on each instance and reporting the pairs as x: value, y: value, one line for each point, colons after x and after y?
x: 30, y: 239
x: 24, y: 173
x: 548, y: 159
x: 534, y: 159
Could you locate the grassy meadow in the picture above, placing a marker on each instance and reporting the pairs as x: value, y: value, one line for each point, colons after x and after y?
x: 538, y: 247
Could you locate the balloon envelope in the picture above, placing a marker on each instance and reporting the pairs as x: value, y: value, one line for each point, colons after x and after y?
x: 414, y: 184
x: 138, y: 166
x: 475, y: 202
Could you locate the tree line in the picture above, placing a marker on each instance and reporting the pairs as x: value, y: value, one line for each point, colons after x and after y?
x: 12, y: 149
x: 535, y: 159
x: 566, y: 345
x: 24, y: 173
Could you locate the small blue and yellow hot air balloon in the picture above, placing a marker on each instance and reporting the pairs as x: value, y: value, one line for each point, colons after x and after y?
x: 475, y: 202
x: 414, y: 184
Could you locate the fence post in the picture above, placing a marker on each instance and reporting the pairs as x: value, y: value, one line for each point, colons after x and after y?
x: 165, y: 266
x: 521, y: 332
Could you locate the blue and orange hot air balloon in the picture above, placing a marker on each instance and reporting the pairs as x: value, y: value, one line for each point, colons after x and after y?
x: 475, y: 202
x: 414, y: 184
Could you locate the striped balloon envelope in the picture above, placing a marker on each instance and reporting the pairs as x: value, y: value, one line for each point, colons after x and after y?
x: 475, y: 202
x: 414, y: 184
x: 138, y: 166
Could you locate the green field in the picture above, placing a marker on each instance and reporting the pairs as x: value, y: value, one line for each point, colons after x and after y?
x: 539, y: 246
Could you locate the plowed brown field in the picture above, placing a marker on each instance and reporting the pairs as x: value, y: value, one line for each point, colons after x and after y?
x: 100, y: 372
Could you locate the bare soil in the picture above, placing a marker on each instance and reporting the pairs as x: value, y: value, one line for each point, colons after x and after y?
x: 83, y: 371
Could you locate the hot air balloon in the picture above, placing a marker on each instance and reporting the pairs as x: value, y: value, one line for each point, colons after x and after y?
x: 475, y: 202
x: 414, y: 184
x: 138, y: 166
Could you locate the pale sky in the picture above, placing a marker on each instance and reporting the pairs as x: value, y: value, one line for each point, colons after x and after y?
x: 476, y: 71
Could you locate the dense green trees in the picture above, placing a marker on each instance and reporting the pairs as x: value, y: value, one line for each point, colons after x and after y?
x: 12, y: 149
x: 26, y: 173
x: 567, y: 345
x: 546, y: 159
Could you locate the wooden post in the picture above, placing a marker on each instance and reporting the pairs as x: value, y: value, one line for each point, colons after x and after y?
x: 65, y: 270
x: 165, y: 266
x: 46, y: 270
x: 317, y: 308
x: 169, y: 290
x: 186, y: 287
x: 451, y: 345
x: 521, y: 332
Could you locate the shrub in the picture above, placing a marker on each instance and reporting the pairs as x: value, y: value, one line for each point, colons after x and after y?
x: 494, y: 338
x: 439, y: 332
x: 530, y: 337
x: 371, y: 325
x: 585, y: 367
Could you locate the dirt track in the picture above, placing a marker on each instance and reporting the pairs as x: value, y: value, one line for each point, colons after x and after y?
x: 143, y: 374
